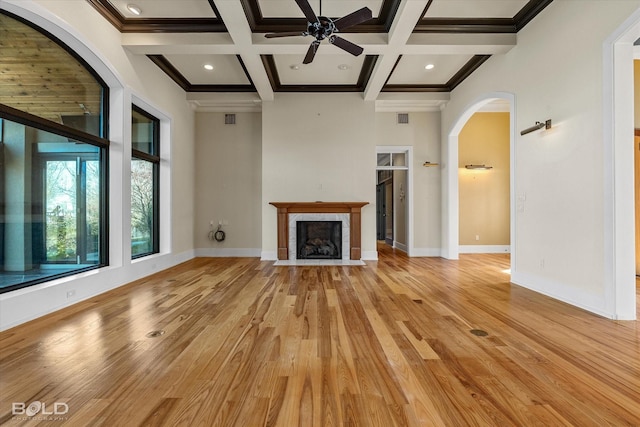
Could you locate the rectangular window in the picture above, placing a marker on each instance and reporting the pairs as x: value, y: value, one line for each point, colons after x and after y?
x: 52, y: 206
x: 145, y: 183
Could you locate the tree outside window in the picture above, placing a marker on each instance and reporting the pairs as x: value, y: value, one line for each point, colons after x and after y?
x: 144, y: 184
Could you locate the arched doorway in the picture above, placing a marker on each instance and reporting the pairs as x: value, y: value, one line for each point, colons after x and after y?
x: 451, y: 212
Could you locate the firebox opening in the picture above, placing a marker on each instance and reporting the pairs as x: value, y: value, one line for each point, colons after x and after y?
x: 319, y: 239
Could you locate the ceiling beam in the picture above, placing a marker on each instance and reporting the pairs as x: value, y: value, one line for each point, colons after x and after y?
x: 408, y: 14
x: 232, y: 13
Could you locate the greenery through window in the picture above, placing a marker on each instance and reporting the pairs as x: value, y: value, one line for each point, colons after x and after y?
x: 53, y: 207
x: 145, y: 168
x: 53, y: 159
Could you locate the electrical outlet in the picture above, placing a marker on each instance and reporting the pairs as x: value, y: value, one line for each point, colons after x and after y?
x: 477, y: 237
x: 71, y: 293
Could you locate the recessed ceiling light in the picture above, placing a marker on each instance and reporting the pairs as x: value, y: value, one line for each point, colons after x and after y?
x: 343, y: 67
x: 208, y: 67
x: 294, y: 66
x: 135, y: 9
x: 429, y: 67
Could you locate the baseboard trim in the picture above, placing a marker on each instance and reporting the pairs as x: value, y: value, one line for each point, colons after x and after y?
x: 425, y: 252
x: 484, y: 249
x: 369, y: 255
x: 228, y: 252
x: 560, y: 291
x: 400, y: 246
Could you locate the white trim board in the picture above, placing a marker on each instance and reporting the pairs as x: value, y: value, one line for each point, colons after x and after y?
x: 484, y: 249
x: 228, y: 253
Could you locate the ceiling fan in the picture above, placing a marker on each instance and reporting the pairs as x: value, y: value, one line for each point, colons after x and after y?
x: 322, y: 27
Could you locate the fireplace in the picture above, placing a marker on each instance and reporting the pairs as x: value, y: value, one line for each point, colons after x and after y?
x: 347, y: 213
x: 319, y: 239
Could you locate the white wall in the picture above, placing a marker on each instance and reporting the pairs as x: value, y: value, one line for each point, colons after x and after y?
x: 228, y: 184
x: 79, y: 25
x: 318, y: 147
x: 556, y: 71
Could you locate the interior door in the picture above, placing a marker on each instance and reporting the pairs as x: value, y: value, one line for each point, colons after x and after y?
x: 381, y: 210
x: 388, y: 212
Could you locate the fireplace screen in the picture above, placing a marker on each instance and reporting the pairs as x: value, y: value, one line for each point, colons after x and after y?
x: 319, y: 239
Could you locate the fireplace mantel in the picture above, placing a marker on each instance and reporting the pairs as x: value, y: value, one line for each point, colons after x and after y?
x: 352, y: 208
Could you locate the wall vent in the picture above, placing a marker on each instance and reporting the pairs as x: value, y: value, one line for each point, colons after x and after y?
x: 403, y: 118
x: 229, y: 119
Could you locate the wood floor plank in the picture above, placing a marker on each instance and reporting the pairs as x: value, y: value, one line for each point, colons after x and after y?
x: 246, y: 343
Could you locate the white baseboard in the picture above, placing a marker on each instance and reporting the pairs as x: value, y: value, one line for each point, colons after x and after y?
x: 268, y: 256
x: 369, y: 255
x: 228, y: 252
x: 400, y: 246
x: 425, y: 252
x: 594, y: 303
x: 484, y: 249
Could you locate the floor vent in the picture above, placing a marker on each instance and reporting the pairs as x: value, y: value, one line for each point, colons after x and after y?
x: 229, y: 119
x: 403, y: 118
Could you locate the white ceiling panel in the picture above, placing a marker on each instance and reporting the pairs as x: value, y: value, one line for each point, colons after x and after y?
x: 324, y: 70
x: 331, y: 8
x: 166, y: 8
x: 474, y: 8
x: 226, y: 69
x: 411, y: 69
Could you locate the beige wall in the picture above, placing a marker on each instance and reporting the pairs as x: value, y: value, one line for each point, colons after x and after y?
x: 423, y: 134
x: 228, y: 174
x: 484, y: 194
x: 318, y: 147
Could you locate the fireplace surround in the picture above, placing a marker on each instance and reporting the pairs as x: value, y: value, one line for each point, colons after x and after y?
x: 347, y: 212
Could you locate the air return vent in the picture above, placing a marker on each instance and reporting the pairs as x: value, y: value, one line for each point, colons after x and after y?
x: 229, y: 119
x: 403, y: 118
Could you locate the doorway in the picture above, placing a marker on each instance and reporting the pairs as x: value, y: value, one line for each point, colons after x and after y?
x: 384, y: 207
x: 393, y: 197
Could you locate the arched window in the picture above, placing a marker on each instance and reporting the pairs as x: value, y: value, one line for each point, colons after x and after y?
x: 53, y: 158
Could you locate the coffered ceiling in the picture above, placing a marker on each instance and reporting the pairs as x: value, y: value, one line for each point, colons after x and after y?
x: 401, y: 39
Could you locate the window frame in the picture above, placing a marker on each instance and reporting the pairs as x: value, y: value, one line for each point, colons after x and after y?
x: 154, y: 159
x: 101, y: 141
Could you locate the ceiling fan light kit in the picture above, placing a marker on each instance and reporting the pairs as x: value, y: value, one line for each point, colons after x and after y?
x: 321, y: 27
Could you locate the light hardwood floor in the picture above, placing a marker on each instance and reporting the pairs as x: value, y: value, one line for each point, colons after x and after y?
x: 386, y: 344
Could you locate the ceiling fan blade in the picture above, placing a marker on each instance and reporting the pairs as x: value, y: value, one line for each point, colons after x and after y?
x: 289, y: 34
x: 353, y: 18
x: 307, y: 10
x: 343, y: 44
x: 311, y: 53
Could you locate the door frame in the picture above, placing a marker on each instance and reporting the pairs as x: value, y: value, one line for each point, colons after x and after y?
x: 408, y: 151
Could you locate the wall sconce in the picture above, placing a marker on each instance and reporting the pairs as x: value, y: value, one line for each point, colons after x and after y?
x: 478, y: 167
x: 539, y: 125
x: 427, y: 164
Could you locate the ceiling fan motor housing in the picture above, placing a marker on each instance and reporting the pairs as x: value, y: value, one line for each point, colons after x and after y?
x: 322, y: 28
